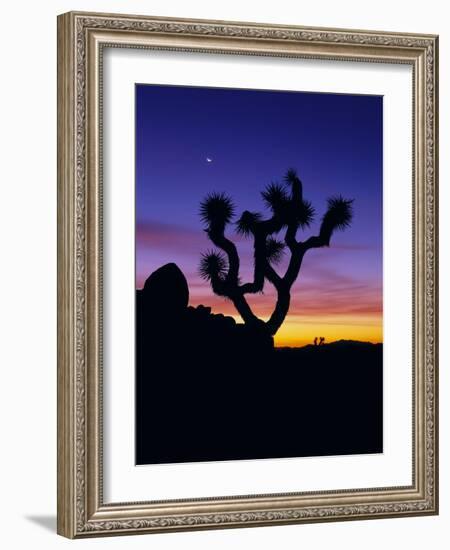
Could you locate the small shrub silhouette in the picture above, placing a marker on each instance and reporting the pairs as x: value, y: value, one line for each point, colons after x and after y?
x: 289, y: 212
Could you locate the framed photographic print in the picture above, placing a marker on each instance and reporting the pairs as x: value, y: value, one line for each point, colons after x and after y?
x: 247, y: 287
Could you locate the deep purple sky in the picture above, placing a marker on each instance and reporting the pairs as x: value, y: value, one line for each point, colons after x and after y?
x: 333, y: 140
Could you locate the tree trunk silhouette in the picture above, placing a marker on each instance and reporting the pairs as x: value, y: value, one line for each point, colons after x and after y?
x: 281, y: 310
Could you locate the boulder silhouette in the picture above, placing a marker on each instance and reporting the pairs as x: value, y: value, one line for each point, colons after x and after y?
x: 162, y: 310
x: 166, y: 291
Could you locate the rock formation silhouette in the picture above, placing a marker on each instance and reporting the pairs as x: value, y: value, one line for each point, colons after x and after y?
x: 163, y: 308
x: 167, y: 291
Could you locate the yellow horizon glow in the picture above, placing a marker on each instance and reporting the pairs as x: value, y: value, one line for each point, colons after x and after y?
x: 299, y: 330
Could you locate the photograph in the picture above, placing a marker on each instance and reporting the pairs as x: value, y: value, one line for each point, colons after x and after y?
x: 259, y: 274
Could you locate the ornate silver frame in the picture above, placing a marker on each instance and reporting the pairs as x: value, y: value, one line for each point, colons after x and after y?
x: 81, y: 510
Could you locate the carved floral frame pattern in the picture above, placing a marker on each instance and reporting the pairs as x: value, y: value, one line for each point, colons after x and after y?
x: 81, y: 511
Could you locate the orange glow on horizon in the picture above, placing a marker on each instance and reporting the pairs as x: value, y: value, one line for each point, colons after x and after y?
x: 334, y: 318
x: 296, y: 332
x: 299, y: 331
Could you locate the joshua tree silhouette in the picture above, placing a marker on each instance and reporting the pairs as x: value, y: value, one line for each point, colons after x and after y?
x: 289, y: 212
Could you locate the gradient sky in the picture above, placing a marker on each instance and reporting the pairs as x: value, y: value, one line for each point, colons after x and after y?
x: 334, y: 141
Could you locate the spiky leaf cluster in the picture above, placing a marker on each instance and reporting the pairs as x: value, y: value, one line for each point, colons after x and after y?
x: 303, y: 213
x: 274, y: 250
x: 275, y: 197
x: 216, y: 210
x: 246, y: 224
x: 289, y: 207
x: 337, y: 217
x: 291, y: 177
x: 213, y: 265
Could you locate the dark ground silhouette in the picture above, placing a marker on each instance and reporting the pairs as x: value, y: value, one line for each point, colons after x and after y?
x: 208, y: 388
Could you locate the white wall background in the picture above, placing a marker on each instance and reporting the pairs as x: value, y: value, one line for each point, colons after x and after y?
x: 28, y: 272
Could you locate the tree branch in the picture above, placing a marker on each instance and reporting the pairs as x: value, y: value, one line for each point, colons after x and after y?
x: 280, y: 311
x: 293, y: 268
x: 290, y: 237
x: 219, y: 239
x: 241, y: 304
x: 262, y: 230
x: 315, y: 241
x: 218, y: 286
x: 273, y: 276
x: 259, y: 246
